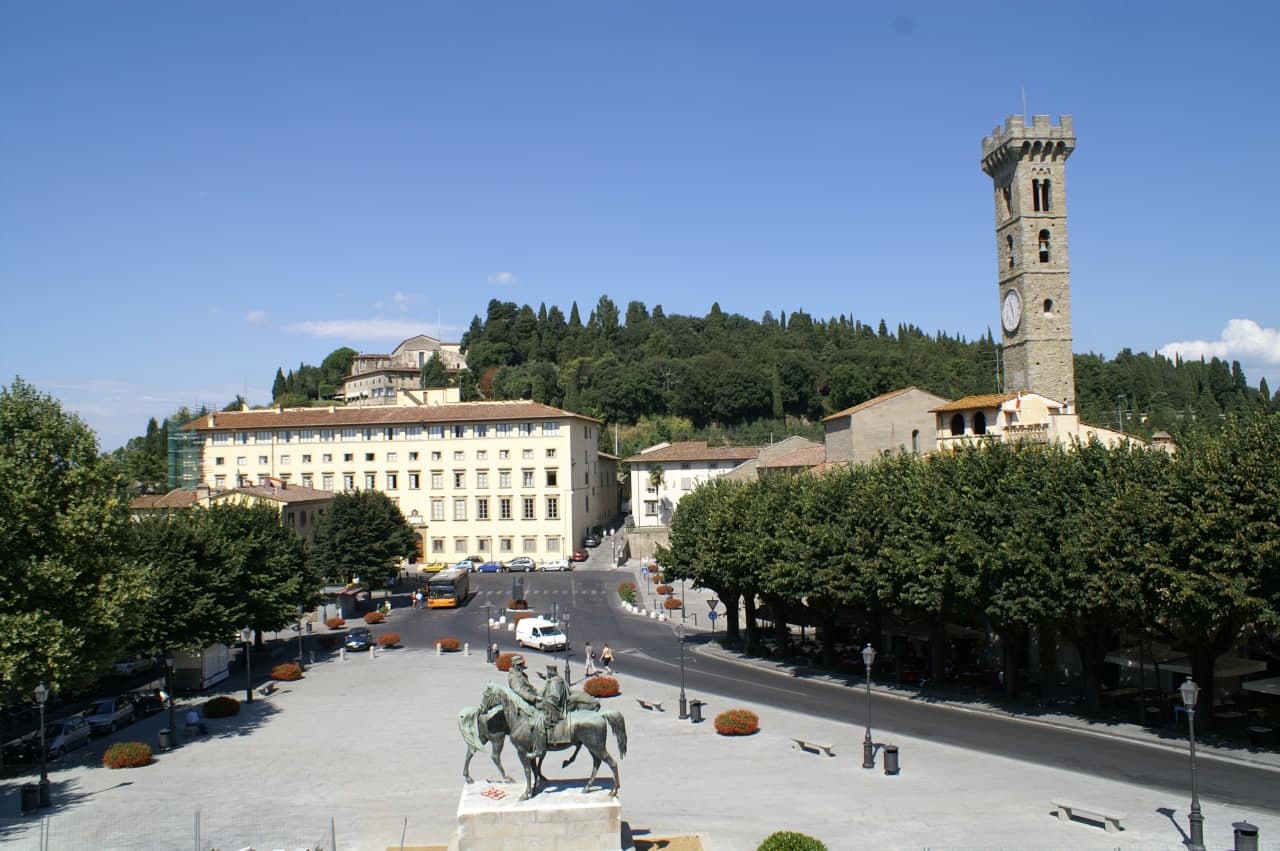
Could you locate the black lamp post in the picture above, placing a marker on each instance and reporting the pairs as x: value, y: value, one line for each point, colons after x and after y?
x: 868, y: 748
x: 42, y: 695
x: 168, y: 673
x: 246, y: 635
x: 488, y: 635
x: 684, y: 703
x: 1190, y: 694
x: 568, y: 651
x: 300, y: 665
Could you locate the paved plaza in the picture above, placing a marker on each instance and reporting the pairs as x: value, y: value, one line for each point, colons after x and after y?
x: 372, y: 744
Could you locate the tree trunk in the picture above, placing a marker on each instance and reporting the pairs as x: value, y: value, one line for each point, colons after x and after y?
x: 1011, y: 637
x: 732, y: 623
x: 753, y: 629
x: 937, y: 646
x: 828, y: 627
x: 781, y: 635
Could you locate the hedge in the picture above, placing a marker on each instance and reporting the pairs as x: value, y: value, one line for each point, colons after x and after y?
x: 672, y: 603
x: 374, y: 617
x: 503, y: 662
x: 449, y: 645
x: 335, y: 623
x: 627, y: 591
x: 389, y: 639
x: 599, y: 686
x: 737, y: 722
x: 127, y: 755
x: 288, y: 671
x: 221, y: 707
x: 790, y: 840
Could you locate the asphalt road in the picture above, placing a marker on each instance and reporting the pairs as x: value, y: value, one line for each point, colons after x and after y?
x: 651, y: 650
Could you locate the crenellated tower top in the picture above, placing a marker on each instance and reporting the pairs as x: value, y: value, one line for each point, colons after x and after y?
x: 1041, y: 141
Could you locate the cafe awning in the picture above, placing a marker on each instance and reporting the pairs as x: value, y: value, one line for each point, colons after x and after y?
x: 1271, y: 686
x: 1177, y: 662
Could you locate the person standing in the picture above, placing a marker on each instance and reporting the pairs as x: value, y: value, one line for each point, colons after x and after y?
x: 606, y: 659
x: 591, y: 660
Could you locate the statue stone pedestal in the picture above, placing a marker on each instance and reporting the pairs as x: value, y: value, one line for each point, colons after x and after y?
x: 559, y: 820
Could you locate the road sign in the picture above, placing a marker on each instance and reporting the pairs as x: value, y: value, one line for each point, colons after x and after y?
x: 644, y: 568
x: 713, y: 614
x: 712, y: 602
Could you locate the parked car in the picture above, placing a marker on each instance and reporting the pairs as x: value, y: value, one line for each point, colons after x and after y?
x: 148, y: 703
x: 541, y: 634
x: 591, y: 540
x: 470, y: 563
x: 135, y: 665
x: 22, y: 751
x: 109, y: 714
x: 65, y: 734
x: 578, y: 555
x: 521, y: 564
x: 359, y: 638
x: 433, y: 567
x: 494, y: 566
x: 557, y: 564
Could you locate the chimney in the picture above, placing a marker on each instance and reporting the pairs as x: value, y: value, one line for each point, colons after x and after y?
x: 211, y: 423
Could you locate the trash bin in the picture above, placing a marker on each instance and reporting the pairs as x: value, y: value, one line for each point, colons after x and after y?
x: 166, y: 739
x: 44, y: 793
x: 695, y: 711
x: 30, y: 798
x: 890, y: 759
x: 1246, y: 836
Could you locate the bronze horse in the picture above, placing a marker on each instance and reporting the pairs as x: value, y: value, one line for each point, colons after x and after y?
x: 584, y: 728
x: 490, y: 728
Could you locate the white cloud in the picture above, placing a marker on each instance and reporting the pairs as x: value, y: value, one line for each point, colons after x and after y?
x: 362, y: 329
x: 255, y: 317
x: 1243, y: 340
x: 503, y: 278
x: 402, y: 301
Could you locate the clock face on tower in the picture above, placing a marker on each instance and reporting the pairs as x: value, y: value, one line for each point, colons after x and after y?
x: 1011, y: 311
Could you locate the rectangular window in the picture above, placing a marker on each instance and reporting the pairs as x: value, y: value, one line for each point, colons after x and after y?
x: 437, y: 480
x: 482, y: 455
x: 482, y: 508
x: 459, y: 455
x: 437, y: 545
x: 242, y: 437
x: 459, y: 479
x: 482, y: 545
x: 220, y: 438
x: 241, y: 461
x: 504, y: 508
x: 526, y: 478
x: 553, y: 508
x: 551, y: 452
x: 389, y: 433
x: 504, y: 454
x: 413, y: 432
x: 415, y: 481
x: 262, y: 479
x: 460, y: 508
x: 219, y: 482
x: 435, y: 432
x: 553, y: 475
x: 526, y: 430
x: 306, y: 459
x: 504, y: 479
x: 392, y: 481
x: 327, y: 457
x: 348, y: 457
x: 326, y: 435
x: 460, y: 546
x: 217, y: 462
x: 651, y: 508
x: 526, y: 453
x: 528, y: 544
x: 307, y: 480
x: 348, y: 481
x: 686, y: 483
x: 349, y: 434
x: 549, y: 429
x: 435, y: 455
x: 504, y: 545
x: 283, y: 435
x: 284, y: 459
x: 262, y: 437
x: 526, y: 508
x: 307, y: 434
x: 413, y: 456
x: 368, y: 456
x: 553, y: 543
x: 482, y: 479
x: 437, y: 509
x: 481, y: 430
x: 326, y: 481
x: 502, y: 429
x: 458, y: 431
x: 392, y: 457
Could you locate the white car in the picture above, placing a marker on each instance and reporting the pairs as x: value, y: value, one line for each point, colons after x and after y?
x: 557, y: 564
x: 64, y: 734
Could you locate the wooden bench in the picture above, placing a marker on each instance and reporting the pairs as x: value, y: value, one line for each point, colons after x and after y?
x: 813, y: 747
x: 650, y: 704
x: 1110, y: 821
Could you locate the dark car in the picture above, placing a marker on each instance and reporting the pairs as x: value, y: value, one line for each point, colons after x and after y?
x: 359, y: 639
x: 22, y: 751
x: 147, y: 704
x: 578, y: 555
x: 521, y: 564
x: 494, y: 566
x: 591, y: 541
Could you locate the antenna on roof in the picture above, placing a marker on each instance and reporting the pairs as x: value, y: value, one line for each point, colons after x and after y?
x: 1024, y: 103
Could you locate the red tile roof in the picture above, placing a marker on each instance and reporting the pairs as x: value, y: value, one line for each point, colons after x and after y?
x: 970, y: 403
x: 280, y: 493
x: 806, y: 456
x: 177, y: 498
x: 870, y: 403
x: 373, y: 415
x: 696, y: 450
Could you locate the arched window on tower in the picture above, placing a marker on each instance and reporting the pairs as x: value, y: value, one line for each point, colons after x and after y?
x: 1035, y: 195
x: 979, y: 423
x: 1048, y: 307
x: 1008, y: 241
x: 1046, y: 197
x: 1044, y: 246
x: 1007, y: 193
x: 915, y: 440
x: 957, y: 425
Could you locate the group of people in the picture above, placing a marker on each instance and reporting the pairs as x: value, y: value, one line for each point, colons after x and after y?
x: 606, y: 660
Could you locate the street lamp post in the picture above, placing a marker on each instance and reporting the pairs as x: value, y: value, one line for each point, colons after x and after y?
x: 246, y: 635
x: 1190, y: 694
x: 684, y: 704
x: 168, y: 673
x: 42, y: 695
x: 568, y: 651
x: 300, y: 665
x: 488, y: 636
x: 868, y: 748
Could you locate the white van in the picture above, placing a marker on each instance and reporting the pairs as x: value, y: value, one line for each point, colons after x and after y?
x: 540, y: 634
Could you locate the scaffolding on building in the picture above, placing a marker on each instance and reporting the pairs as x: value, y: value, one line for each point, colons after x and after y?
x: 184, y: 456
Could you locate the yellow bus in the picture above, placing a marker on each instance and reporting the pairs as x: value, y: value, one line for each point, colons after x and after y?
x: 448, y: 589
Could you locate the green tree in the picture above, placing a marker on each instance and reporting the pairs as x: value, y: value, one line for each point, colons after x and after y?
x: 434, y: 373
x: 363, y: 534
x: 67, y: 586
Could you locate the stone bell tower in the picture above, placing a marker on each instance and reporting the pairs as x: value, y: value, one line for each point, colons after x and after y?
x: 1028, y: 166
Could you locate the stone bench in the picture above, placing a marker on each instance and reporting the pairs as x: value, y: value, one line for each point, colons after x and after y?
x: 813, y: 747
x: 1110, y: 821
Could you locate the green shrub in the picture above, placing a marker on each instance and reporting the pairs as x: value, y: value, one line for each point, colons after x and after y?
x: 599, y: 686
x: 790, y: 840
x: 737, y: 722
x: 288, y: 672
x: 127, y: 755
x: 221, y: 707
x: 627, y: 591
x: 389, y: 639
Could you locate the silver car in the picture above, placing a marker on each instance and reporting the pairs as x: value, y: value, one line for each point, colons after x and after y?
x: 65, y: 734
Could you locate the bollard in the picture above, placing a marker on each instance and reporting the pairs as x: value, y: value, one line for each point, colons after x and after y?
x: 437, y: 648
x: 1246, y: 836
x: 466, y: 648
x: 891, y: 759
x: 344, y: 652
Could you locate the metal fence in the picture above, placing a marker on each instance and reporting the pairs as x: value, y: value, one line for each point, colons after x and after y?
x: 194, y: 831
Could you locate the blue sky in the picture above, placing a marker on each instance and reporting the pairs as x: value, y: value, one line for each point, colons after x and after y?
x: 194, y: 194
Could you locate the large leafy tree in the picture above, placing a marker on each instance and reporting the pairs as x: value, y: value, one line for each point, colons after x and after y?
x: 363, y: 534
x: 66, y: 585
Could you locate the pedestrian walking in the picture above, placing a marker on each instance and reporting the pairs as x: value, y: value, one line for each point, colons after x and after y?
x: 591, y: 660
x: 606, y: 659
